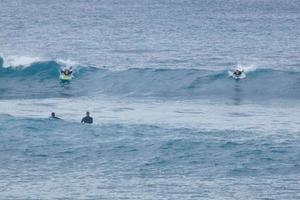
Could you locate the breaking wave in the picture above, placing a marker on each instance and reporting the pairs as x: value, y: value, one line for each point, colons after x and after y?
x: 40, y: 80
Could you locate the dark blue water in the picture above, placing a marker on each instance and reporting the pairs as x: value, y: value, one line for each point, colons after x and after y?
x: 169, y: 120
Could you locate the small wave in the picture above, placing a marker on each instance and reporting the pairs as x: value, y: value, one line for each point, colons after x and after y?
x: 259, y: 84
x: 42, y: 69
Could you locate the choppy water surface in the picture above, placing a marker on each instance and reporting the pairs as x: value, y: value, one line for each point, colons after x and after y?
x: 170, y: 123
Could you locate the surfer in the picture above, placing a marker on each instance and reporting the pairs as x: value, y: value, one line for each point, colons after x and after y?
x: 87, y: 119
x: 66, y: 71
x: 66, y: 74
x: 238, y: 72
x: 53, y: 116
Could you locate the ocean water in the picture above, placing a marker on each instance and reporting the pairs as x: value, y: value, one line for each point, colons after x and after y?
x: 169, y: 121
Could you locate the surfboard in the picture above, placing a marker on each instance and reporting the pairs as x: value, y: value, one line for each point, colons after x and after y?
x: 65, y: 78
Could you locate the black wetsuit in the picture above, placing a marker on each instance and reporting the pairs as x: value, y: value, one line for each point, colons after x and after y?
x: 87, y: 120
x: 66, y: 73
x: 237, y: 73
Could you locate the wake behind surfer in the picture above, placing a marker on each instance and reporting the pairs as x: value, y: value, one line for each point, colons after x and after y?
x: 87, y: 119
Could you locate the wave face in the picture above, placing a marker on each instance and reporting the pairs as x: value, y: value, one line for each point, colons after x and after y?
x: 40, y: 80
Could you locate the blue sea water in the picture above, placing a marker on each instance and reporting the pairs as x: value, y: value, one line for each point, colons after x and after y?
x: 169, y: 121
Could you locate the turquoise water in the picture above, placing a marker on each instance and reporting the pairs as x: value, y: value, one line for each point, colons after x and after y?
x: 169, y: 121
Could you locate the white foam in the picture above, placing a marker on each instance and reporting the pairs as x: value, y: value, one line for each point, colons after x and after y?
x: 246, y: 67
x: 67, y: 62
x: 25, y: 61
